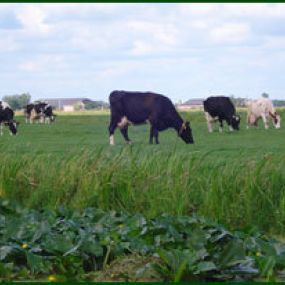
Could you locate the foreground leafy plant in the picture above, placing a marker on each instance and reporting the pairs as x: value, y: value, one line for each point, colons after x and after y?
x: 66, y: 245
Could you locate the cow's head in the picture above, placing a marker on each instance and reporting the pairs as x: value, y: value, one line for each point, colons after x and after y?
x: 12, y: 126
x: 185, y: 133
x: 276, y: 119
x: 52, y: 117
x: 235, y: 122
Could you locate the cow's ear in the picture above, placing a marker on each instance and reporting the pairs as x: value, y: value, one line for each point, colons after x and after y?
x: 187, y: 124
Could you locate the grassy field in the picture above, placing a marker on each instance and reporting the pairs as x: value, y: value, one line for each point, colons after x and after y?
x: 237, y: 179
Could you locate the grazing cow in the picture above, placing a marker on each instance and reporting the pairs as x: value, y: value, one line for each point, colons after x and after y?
x: 27, y: 112
x: 49, y: 116
x: 38, y: 112
x: 7, y: 118
x: 262, y: 108
x: 141, y: 107
x: 221, y: 108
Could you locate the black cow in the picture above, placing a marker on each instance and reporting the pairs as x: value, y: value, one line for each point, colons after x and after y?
x: 7, y: 118
x: 222, y: 109
x: 141, y: 107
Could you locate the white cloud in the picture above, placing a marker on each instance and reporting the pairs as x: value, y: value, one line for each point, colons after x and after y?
x: 276, y: 42
x: 198, y: 10
x: 234, y: 33
x: 8, y: 43
x: 141, y: 44
x: 152, y: 37
x: 257, y: 10
x: 142, y: 48
x: 43, y: 63
x: 32, y: 19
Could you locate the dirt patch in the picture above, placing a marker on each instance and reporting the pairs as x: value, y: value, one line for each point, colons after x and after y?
x: 129, y: 269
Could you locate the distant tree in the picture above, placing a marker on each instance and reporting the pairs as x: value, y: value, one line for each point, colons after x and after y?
x: 17, y: 102
x: 265, y: 95
x: 279, y: 103
x: 238, y: 101
x: 89, y: 105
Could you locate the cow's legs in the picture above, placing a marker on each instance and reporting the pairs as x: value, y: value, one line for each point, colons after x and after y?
x: 112, y: 127
x: 209, y: 122
x: 221, y: 126
x: 151, y: 136
x: 47, y: 120
x: 124, y: 132
x: 264, y: 118
x: 153, y: 129
x: 153, y: 133
x: 1, y: 129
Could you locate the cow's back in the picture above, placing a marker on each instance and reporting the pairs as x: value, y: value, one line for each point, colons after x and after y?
x: 6, y: 114
x: 5, y: 105
x: 261, y: 106
x: 28, y: 109
x: 219, y: 106
x: 139, y: 106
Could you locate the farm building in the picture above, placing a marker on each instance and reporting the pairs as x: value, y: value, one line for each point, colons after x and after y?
x: 191, y: 104
x: 68, y: 104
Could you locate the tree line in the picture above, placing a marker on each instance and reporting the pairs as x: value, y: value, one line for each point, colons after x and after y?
x: 19, y: 101
x: 242, y: 102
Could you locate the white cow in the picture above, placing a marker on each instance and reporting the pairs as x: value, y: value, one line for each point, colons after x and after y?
x: 262, y: 108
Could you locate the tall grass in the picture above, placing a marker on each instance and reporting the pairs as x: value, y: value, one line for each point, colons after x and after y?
x: 241, y: 193
x: 236, y: 178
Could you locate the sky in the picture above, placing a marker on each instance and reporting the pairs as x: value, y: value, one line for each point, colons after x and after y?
x: 181, y: 50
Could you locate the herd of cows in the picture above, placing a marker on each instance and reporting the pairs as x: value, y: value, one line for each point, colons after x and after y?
x: 141, y: 107
x: 41, y: 112
x: 134, y: 108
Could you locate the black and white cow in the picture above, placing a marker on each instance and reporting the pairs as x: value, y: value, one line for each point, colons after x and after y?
x: 141, y: 107
x: 35, y: 112
x: 28, y: 112
x: 41, y: 112
x: 49, y: 116
x: 221, y: 109
x: 7, y: 118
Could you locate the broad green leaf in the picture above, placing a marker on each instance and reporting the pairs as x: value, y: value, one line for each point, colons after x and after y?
x: 206, y: 266
x: 4, y: 251
x: 36, y: 263
x: 232, y: 254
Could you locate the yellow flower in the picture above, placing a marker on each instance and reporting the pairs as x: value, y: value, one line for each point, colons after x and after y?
x: 52, y: 278
x: 121, y: 226
x: 258, y: 253
x: 24, y: 245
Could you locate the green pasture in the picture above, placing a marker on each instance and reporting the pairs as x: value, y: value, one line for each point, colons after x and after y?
x: 237, y: 179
